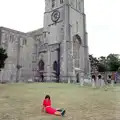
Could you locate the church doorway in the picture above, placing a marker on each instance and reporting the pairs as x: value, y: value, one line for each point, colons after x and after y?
x: 56, y: 64
x: 77, y: 78
x: 41, y: 65
x: 56, y: 70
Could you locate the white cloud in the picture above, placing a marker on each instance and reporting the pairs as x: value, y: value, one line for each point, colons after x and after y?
x: 103, y: 26
x: 23, y: 15
x: 103, y: 18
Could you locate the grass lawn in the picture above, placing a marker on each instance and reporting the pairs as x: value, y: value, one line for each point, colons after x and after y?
x: 22, y: 102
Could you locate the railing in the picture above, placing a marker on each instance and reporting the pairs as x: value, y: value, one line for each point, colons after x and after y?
x: 58, y: 79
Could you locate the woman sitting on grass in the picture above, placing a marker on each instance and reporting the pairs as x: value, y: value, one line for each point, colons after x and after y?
x: 46, y: 107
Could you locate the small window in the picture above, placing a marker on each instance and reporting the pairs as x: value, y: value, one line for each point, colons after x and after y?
x: 79, y: 6
x: 76, y: 26
x: 24, y: 42
x: 44, y: 34
x: 6, y: 36
x: 53, y: 3
x: 11, y: 38
x: 61, y: 1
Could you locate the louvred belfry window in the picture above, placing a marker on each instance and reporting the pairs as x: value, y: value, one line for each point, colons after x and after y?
x: 53, y: 3
x: 61, y: 1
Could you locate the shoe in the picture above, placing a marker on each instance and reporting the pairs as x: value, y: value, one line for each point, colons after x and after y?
x: 60, y: 110
x: 63, y: 113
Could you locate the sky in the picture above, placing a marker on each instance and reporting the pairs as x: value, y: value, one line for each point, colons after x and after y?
x: 103, y: 21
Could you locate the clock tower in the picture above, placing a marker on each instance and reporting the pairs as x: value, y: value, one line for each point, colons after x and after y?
x: 54, y: 20
x: 66, y: 36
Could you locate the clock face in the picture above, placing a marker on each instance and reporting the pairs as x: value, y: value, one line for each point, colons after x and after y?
x: 55, y: 16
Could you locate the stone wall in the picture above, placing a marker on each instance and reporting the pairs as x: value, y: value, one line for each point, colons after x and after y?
x: 19, y: 49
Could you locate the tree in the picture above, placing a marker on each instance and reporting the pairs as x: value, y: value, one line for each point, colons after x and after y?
x: 118, y: 70
x: 98, y: 64
x: 3, y: 57
x: 113, y: 62
x: 94, y: 63
x: 102, y: 66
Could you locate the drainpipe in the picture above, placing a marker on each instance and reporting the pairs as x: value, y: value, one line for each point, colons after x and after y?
x: 18, y: 60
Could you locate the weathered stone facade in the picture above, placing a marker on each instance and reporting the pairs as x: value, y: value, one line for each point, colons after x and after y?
x: 56, y: 52
x: 19, y: 47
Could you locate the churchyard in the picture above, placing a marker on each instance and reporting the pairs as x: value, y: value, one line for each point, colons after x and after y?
x: 22, y: 101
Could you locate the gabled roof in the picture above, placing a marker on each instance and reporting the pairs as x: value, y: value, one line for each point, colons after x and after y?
x: 11, y: 30
x: 36, y: 32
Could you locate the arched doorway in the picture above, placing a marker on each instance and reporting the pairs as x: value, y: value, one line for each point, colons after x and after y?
x: 55, y: 66
x: 77, y: 78
x: 56, y: 70
x: 41, y: 65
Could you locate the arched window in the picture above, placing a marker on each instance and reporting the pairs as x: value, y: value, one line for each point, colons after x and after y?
x: 41, y: 65
x: 76, y: 50
x: 61, y: 1
x: 79, y: 6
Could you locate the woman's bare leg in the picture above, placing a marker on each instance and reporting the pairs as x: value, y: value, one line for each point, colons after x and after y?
x: 57, y: 113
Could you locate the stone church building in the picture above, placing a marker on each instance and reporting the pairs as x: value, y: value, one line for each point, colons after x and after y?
x: 57, y: 52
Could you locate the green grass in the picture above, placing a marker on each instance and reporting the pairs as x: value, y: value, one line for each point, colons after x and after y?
x: 22, y: 102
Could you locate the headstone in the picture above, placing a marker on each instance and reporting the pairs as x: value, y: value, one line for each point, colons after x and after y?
x: 30, y: 80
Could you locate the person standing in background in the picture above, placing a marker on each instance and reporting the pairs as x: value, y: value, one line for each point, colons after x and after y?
x: 93, y: 81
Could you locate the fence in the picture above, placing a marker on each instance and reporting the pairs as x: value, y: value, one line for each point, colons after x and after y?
x: 108, y: 76
x: 7, y: 76
x: 62, y: 79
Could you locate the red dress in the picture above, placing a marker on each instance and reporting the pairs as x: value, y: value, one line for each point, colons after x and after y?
x: 48, y: 108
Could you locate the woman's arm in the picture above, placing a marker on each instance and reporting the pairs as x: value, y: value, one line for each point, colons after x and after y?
x: 42, y: 108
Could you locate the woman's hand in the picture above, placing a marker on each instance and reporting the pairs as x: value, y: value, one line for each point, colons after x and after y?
x: 42, y: 108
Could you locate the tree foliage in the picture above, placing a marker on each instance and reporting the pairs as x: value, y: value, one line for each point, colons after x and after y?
x: 3, y: 57
x: 113, y: 61
x: 102, y: 64
x: 94, y: 63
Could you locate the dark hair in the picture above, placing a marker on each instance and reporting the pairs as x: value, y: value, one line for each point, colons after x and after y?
x: 47, y: 96
x: 99, y: 76
x: 93, y: 76
x: 109, y: 76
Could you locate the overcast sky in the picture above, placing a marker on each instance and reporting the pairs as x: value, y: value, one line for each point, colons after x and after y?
x: 103, y: 21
